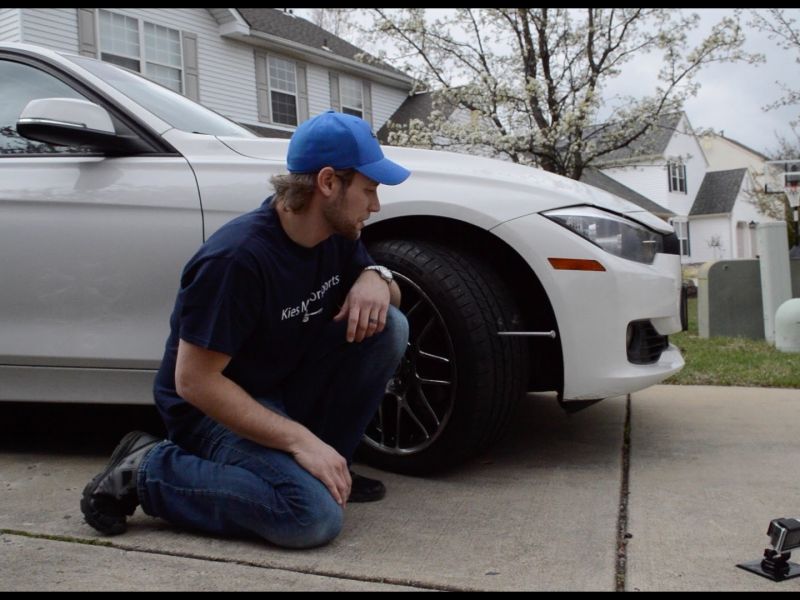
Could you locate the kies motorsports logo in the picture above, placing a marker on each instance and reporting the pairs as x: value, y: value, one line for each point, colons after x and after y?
x: 305, y: 307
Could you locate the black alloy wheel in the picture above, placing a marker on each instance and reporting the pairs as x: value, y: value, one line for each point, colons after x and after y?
x: 455, y: 389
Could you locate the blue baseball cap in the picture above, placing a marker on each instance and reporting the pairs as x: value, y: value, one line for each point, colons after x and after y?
x: 341, y: 141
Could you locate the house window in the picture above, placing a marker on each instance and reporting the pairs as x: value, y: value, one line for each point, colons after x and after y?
x: 146, y: 48
x: 682, y: 232
x: 677, y: 177
x: 283, y: 90
x: 352, y: 94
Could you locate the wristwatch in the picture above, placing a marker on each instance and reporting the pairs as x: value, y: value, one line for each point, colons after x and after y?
x: 385, y: 273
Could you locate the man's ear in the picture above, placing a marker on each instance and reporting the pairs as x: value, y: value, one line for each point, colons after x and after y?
x: 326, y: 179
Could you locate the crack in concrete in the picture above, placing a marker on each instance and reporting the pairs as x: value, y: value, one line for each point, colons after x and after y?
x: 318, y: 572
x: 622, y: 519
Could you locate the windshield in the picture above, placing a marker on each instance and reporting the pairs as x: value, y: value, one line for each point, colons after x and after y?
x: 177, y: 110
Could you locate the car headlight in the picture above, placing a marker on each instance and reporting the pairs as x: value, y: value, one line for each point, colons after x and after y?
x: 613, y: 233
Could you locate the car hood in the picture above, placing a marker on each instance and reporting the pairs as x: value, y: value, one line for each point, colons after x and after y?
x: 525, y: 189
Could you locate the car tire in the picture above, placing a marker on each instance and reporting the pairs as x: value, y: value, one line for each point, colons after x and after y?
x: 455, y: 390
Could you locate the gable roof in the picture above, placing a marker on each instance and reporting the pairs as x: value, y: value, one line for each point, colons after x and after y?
x: 289, y: 27
x: 652, y: 143
x: 718, y: 192
x: 598, y: 179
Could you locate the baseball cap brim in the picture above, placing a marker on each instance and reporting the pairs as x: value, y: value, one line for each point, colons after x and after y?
x: 385, y: 172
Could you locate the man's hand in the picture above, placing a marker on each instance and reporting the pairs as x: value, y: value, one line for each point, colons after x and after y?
x: 365, y: 306
x: 199, y: 381
x: 326, y: 464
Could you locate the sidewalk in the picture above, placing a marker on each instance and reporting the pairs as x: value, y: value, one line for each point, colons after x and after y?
x: 709, y: 468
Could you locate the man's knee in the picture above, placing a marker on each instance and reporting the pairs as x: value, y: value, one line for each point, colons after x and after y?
x: 316, y: 525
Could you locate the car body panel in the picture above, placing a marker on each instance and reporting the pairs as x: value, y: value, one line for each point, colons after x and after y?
x: 595, y: 362
x: 483, y: 191
x: 91, y: 256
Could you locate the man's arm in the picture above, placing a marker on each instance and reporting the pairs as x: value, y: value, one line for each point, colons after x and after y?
x: 199, y: 381
x: 366, y: 306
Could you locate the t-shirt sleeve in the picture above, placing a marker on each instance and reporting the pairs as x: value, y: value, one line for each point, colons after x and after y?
x: 221, y: 304
x: 359, y: 259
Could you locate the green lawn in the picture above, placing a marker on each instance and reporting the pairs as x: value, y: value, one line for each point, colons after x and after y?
x: 732, y: 361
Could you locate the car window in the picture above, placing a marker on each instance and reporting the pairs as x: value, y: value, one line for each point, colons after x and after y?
x: 19, y: 84
x: 179, y: 111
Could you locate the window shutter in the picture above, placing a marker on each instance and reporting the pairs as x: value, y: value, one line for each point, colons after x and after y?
x: 669, y: 176
x: 302, y: 94
x: 87, y: 32
x: 336, y: 103
x: 191, y: 75
x: 367, y: 92
x: 262, y: 89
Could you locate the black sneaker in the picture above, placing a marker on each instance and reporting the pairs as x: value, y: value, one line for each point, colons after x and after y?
x: 111, y: 496
x: 364, y: 489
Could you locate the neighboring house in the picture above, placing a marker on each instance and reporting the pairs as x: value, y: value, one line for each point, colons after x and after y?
x: 264, y: 68
x: 667, y: 166
x: 723, y: 219
x: 724, y: 153
x: 597, y: 178
x: 726, y: 207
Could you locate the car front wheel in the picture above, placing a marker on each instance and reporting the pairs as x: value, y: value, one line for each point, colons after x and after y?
x: 454, y: 391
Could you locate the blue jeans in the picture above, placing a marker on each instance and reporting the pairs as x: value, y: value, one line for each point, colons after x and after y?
x: 212, y: 480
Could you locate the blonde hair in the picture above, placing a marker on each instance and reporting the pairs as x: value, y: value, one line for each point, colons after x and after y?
x: 294, y: 190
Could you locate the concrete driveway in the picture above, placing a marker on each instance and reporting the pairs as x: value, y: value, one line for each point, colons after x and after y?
x: 565, y: 502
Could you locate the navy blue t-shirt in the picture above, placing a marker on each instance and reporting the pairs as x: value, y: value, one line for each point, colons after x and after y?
x: 252, y: 293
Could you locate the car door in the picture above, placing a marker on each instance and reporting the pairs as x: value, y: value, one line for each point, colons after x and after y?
x: 91, y: 246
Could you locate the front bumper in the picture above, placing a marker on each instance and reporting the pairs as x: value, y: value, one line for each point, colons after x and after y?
x: 594, y: 309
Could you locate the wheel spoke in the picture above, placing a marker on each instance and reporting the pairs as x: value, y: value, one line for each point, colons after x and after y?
x: 425, y: 330
x: 428, y: 406
x: 414, y: 308
x: 424, y: 381
x: 435, y: 357
x: 397, y: 425
x: 416, y: 420
x: 381, y: 428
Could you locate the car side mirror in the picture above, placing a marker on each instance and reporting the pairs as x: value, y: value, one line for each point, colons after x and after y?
x: 73, y: 122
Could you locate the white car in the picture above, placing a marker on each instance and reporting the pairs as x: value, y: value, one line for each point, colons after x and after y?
x: 513, y: 279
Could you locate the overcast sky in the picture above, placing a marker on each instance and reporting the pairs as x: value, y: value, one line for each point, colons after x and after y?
x: 732, y: 97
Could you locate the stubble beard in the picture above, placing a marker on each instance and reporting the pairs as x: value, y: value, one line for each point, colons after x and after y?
x: 335, y: 215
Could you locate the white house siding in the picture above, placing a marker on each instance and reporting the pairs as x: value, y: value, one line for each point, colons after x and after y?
x: 9, y: 25
x: 724, y: 154
x: 649, y: 180
x: 703, y: 230
x: 226, y: 69
x: 737, y: 239
x: 319, y: 89
x: 685, y: 146
x: 385, y: 101
x: 54, y: 28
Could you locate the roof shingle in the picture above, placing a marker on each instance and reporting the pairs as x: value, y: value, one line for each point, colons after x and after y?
x: 296, y: 29
x: 718, y: 192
